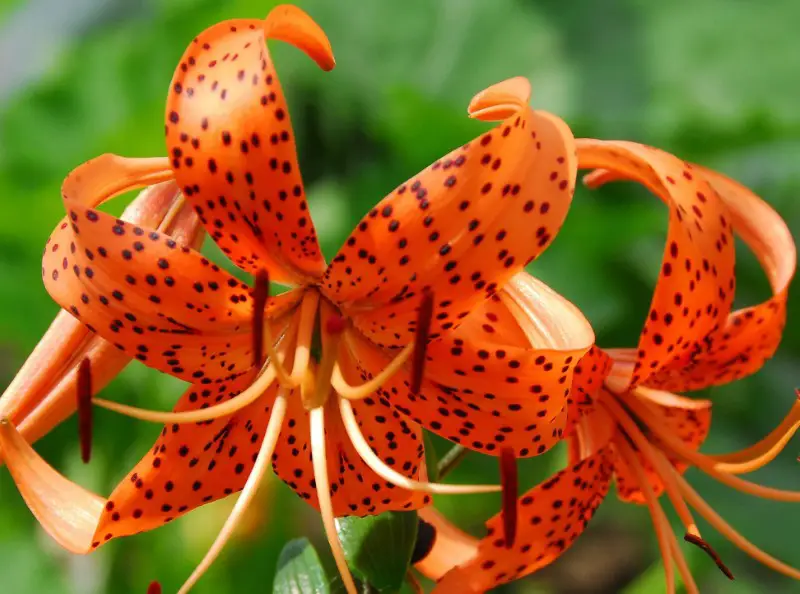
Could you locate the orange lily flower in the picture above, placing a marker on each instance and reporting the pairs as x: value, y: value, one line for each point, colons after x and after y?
x: 44, y: 391
x: 634, y: 431
x: 430, y: 277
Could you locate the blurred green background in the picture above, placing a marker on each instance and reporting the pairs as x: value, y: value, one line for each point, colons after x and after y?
x: 714, y: 81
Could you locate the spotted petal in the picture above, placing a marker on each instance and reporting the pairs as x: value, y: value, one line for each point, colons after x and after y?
x: 551, y: 516
x: 142, y: 289
x: 462, y: 227
x: 190, y: 464
x: 695, y: 288
x: 232, y: 146
x: 751, y: 335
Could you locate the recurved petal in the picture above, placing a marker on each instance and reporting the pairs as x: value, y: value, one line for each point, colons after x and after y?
x: 551, y: 516
x: 232, y: 146
x: 190, y: 464
x: 694, y: 292
x: 461, y: 228
x: 687, y: 419
x: 356, y: 490
x: 44, y: 391
x: 68, y: 512
x: 751, y: 335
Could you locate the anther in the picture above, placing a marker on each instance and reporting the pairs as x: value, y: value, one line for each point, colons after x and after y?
x: 154, y: 588
x: 424, y: 317
x: 260, y: 296
x: 84, y: 395
x: 510, y: 482
x: 702, y: 544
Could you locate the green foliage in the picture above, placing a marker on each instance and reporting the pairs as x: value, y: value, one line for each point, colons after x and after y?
x: 379, y: 548
x: 300, y: 570
x: 711, y: 80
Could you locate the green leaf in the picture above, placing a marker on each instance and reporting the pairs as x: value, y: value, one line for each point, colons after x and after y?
x: 300, y: 570
x: 379, y: 548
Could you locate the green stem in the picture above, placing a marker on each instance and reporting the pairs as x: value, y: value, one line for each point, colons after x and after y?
x: 450, y: 460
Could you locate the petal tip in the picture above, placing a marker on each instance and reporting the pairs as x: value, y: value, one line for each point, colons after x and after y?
x: 501, y: 100
x: 294, y: 26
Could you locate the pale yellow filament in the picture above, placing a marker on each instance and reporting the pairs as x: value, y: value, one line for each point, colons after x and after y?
x: 262, y: 464
x: 320, y: 464
x: 370, y: 387
x: 389, y: 474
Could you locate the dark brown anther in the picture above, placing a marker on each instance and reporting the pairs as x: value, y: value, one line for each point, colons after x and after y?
x: 335, y: 325
x: 424, y: 317
x: 84, y: 395
x: 510, y: 482
x: 260, y: 296
x: 702, y: 544
x: 154, y: 588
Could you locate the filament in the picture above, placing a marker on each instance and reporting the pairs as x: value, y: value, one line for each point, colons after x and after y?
x: 389, y: 474
x: 759, y: 454
x: 305, y: 334
x: 730, y: 533
x: 176, y: 206
x: 663, y: 530
x: 262, y: 463
x: 704, y: 463
x: 320, y: 464
x: 345, y: 390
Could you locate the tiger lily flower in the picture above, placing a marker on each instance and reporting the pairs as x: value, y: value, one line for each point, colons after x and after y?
x: 430, y: 277
x: 634, y: 430
x: 44, y: 391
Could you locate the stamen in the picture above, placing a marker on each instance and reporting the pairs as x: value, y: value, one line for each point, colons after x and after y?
x: 658, y: 461
x: 260, y: 467
x: 320, y: 464
x: 728, y: 531
x: 683, y: 568
x: 510, y: 482
x: 260, y: 296
x: 216, y: 411
x: 169, y: 218
x: 664, y: 534
x: 760, y: 454
x: 368, y: 388
x: 263, y: 332
x: 707, y: 548
x: 704, y: 463
x: 389, y: 474
x: 424, y: 317
x: 330, y: 352
x: 84, y: 394
x: 305, y: 335
x: 154, y: 588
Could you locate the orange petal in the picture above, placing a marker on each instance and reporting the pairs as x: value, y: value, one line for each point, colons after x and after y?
x: 68, y: 512
x: 501, y: 101
x: 232, y: 145
x: 687, y: 419
x: 43, y: 393
x: 695, y: 288
x: 449, y: 548
x: 751, y: 335
x: 461, y: 228
x: 552, y: 515
x: 190, y: 464
x: 144, y: 291
x: 508, y: 370
x: 355, y: 489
